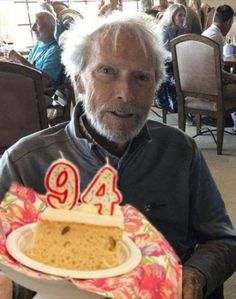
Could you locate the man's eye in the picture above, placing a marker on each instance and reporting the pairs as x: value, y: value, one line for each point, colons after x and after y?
x: 142, y: 77
x: 107, y: 70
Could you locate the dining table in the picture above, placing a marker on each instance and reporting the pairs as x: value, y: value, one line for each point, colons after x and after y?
x: 2, y: 58
x: 230, y: 63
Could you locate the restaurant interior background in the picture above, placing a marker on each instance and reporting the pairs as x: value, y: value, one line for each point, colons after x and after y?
x: 15, y: 16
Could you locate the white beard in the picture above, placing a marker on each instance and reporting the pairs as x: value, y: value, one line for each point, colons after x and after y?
x: 101, y: 129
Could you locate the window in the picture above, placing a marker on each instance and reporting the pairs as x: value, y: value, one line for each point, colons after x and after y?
x: 16, y: 17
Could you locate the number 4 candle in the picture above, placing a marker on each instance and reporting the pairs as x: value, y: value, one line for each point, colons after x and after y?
x: 102, y: 191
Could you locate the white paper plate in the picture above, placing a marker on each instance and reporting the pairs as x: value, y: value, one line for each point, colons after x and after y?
x: 20, y: 239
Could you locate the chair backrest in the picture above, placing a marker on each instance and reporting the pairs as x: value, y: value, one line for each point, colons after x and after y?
x: 69, y: 97
x: 207, y: 14
x: 209, y: 18
x: 197, y: 66
x: 68, y: 16
x: 22, y: 103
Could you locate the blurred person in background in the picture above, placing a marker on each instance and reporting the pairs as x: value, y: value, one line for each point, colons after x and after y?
x: 152, y: 12
x: 222, y: 23
x: 45, y: 55
x: 108, y: 7
x: 59, y: 28
x: 170, y: 26
x: 192, y: 23
x: 58, y: 6
x: 160, y: 7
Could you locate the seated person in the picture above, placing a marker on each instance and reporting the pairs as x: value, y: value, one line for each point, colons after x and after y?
x: 59, y: 28
x: 58, y: 6
x: 108, y: 8
x: 160, y: 7
x: 192, y: 23
x: 45, y: 55
x: 222, y: 22
x: 152, y: 12
x: 161, y: 171
x: 170, y: 26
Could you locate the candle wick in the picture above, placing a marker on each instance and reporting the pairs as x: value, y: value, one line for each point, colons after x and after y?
x: 108, y: 161
x: 61, y: 154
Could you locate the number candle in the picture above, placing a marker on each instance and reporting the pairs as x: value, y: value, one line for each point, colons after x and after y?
x: 102, y: 191
x: 62, y: 183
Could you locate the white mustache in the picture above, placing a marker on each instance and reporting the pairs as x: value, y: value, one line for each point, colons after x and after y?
x: 120, y: 108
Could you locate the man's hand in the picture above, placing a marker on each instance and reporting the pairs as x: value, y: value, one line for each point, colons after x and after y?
x: 193, y: 283
x: 6, y: 287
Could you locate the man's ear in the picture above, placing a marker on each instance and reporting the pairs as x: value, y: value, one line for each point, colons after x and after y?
x: 79, y: 84
x: 229, y: 23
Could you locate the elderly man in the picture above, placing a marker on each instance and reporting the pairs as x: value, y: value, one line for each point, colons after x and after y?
x: 222, y: 22
x: 45, y: 56
x: 116, y: 68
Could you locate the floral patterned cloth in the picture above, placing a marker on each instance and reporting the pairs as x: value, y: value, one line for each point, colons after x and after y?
x: 158, y: 276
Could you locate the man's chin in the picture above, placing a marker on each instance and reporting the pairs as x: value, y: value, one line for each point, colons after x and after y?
x: 119, y: 132
x: 121, y: 136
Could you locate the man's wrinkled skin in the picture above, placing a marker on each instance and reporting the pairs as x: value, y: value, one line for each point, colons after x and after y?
x: 193, y: 283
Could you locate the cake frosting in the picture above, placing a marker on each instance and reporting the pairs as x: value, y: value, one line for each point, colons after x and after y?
x: 85, y: 213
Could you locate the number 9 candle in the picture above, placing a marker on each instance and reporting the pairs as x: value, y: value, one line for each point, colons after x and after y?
x: 63, y: 185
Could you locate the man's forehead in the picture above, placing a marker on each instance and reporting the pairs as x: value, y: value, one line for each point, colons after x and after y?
x: 113, y: 42
x: 125, y: 54
x: 39, y: 18
x: 111, y: 35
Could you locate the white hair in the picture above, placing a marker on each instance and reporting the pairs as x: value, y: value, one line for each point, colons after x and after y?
x: 47, y: 7
x: 48, y: 18
x: 76, y: 41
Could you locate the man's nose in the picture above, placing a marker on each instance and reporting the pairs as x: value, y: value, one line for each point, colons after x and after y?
x: 124, y: 89
x: 33, y: 27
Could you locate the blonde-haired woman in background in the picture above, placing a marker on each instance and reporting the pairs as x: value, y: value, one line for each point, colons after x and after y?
x: 192, y: 23
x: 170, y: 26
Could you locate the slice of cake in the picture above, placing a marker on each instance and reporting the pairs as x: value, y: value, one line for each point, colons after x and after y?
x: 79, y: 239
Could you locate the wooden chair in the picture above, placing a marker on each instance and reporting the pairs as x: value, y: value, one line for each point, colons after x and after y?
x: 163, y: 114
x: 63, y: 103
x: 198, y: 74
x: 22, y: 103
x: 67, y: 16
x: 209, y: 18
x: 207, y: 15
